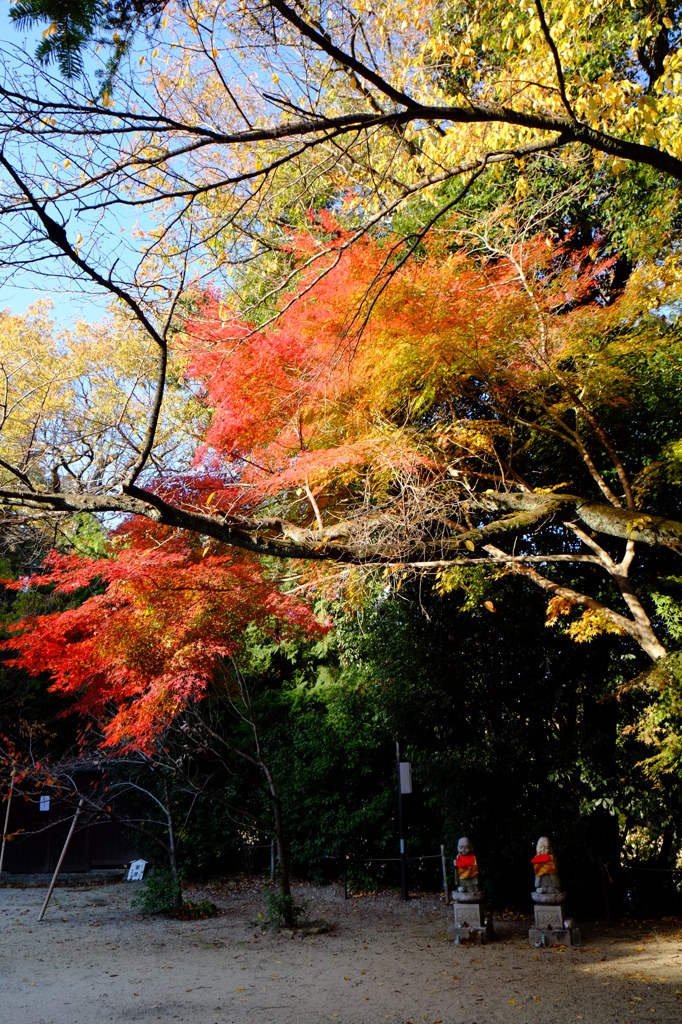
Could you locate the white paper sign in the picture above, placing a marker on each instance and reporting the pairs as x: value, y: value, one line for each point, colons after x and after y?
x: 136, y: 871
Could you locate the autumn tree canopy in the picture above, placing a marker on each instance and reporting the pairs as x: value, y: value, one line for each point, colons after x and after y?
x: 390, y: 262
x: 482, y: 416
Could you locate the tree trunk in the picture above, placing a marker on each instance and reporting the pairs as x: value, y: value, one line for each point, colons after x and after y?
x: 172, y: 851
x: 284, y: 877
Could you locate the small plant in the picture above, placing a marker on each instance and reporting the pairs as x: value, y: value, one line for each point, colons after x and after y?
x: 162, y: 894
x: 195, y: 910
x: 283, y: 910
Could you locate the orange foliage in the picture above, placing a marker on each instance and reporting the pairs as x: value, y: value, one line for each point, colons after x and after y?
x: 324, y: 400
x: 352, y: 377
x: 133, y: 655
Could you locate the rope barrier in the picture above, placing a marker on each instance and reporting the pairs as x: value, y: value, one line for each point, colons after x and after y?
x: 356, y: 859
x: 665, y: 871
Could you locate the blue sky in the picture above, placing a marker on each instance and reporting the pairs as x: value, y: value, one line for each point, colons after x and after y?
x: 70, y: 301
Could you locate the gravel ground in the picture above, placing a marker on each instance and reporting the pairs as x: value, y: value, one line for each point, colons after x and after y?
x: 94, y: 960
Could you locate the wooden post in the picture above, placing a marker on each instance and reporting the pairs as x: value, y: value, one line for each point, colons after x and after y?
x: 445, y: 874
x: 4, y: 831
x: 61, y: 857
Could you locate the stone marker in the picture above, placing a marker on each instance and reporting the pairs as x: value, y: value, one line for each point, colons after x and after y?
x: 468, y: 901
x: 552, y: 927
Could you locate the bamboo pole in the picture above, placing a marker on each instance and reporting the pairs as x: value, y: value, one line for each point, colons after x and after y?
x: 4, y: 831
x: 61, y: 857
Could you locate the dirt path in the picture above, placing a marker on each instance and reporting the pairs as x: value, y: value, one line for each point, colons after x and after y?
x: 94, y: 961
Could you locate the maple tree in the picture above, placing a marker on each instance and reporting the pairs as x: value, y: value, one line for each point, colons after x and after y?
x: 403, y: 443
x: 380, y: 114
x: 156, y: 623
x: 404, y: 404
x: 411, y: 438
x: 493, y: 413
x: 135, y: 653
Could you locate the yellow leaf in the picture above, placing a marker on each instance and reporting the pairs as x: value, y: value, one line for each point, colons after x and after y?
x: 470, y: 545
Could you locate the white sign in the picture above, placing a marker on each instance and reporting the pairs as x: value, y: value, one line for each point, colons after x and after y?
x: 136, y: 871
x: 405, y: 777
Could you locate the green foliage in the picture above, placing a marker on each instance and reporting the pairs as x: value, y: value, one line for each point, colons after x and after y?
x: 473, y: 584
x: 513, y: 732
x: 669, y: 606
x: 85, y: 536
x: 162, y: 894
x: 335, y: 769
x: 281, y: 909
x: 660, y: 723
x: 71, y: 25
x: 209, y: 841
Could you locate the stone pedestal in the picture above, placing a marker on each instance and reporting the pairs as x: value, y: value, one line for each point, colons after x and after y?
x: 551, y: 925
x: 471, y: 923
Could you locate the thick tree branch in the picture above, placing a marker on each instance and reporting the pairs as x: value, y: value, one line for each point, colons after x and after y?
x: 639, y: 629
x: 279, y: 538
x: 626, y: 524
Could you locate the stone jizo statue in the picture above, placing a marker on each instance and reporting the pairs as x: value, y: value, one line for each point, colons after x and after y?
x: 466, y: 866
x: 546, y: 877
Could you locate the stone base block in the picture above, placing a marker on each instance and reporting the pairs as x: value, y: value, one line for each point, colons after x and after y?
x: 479, y: 935
x: 549, y: 916
x: 469, y: 915
x: 554, y: 936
